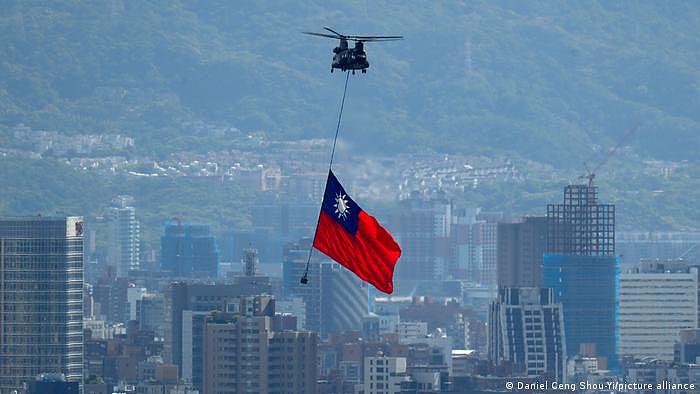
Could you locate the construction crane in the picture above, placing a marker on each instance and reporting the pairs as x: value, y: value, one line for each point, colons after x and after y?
x: 590, y: 173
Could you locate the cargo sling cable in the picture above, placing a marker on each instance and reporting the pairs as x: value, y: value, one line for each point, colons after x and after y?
x: 305, y: 278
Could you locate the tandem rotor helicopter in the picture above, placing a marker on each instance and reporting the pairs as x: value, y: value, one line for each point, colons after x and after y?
x: 346, y: 58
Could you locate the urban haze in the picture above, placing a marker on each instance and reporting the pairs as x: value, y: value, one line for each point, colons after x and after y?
x: 166, y: 224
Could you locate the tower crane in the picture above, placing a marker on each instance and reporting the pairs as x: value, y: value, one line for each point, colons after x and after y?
x: 590, y: 173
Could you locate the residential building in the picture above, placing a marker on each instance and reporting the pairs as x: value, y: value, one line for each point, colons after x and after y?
x: 124, y: 237
x: 243, y: 354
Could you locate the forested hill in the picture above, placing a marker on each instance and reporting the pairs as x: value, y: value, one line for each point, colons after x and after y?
x: 543, y: 80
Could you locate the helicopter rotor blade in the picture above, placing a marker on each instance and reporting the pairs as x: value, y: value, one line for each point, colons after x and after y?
x: 334, y: 32
x: 321, y: 35
x: 376, y: 38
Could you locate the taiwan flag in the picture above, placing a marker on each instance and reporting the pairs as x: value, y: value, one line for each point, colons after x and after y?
x: 355, y: 239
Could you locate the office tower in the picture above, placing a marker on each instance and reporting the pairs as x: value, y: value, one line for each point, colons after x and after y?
x: 484, y: 237
x: 526, y: 328
x: 384, y: 375
x: 124, y: 236
x: 586, y: 288
x: 581, y: 266
x: 520, y: 250
x: 657, y: 301
x: 189, y: 249
x: 460, y: 265
x: 344, y: 300
x: 41, y: 299
x: 422, y: 228
x: 243, y: 354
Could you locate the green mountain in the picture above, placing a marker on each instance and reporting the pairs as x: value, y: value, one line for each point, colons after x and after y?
x: 547, y: 81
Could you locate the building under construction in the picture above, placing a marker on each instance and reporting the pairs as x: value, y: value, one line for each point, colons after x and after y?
x: 581, y: 226
x: 580, y: 265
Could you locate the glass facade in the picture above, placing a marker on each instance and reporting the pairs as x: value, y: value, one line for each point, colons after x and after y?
x: 586, y: 286
x: 41, y: 299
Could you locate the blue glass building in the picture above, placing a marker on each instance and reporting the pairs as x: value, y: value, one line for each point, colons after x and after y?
x: 586, y: 286
x: 187, y: 249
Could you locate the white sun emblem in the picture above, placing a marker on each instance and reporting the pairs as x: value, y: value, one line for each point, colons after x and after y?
x: 341, y: 206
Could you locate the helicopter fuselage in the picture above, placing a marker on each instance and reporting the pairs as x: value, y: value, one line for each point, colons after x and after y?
x: 350, y: 59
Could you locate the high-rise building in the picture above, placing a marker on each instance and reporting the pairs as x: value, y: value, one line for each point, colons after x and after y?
x: 124, y: 237
x: 586, y: 286
x: 41, y: 299
x: 422, y: 228
x: 657, y: 301
x: 188, y: 249
x: 344, y: 300
x: 526, y: 328
x: 243, y: 354
x: 187, y: 306
x: 581, y: 266
x: 484, y: 236
x: 520, y: 250
x: 460, y: 265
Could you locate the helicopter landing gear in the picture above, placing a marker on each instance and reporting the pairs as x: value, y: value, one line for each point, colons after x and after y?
x: 364, y: 71
x: 331, y: 70
x: 353, y: 72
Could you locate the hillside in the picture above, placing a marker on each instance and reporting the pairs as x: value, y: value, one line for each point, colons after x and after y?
x: 541, y: 80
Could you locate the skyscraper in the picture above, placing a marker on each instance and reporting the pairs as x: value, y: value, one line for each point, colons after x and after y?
x: 41, y: 299
x: 520, y: 251
x: 124, y: 236
x: 526, y: 327
x: 484, y: 236
x: 188, y: 249
x: 580, y: 265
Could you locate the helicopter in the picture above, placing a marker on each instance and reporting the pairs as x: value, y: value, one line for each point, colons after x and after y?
x: 346, y: 58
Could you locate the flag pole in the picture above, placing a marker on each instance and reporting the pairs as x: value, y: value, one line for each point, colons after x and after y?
x: 305, y: 279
